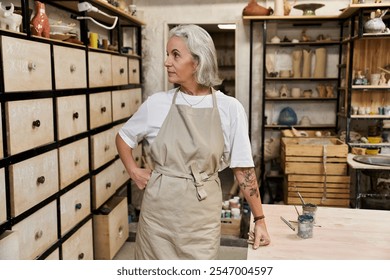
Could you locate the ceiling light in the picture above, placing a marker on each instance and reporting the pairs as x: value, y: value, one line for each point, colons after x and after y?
x: 227, y: 26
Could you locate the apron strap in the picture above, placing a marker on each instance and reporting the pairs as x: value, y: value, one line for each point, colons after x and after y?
x: 200, y: 191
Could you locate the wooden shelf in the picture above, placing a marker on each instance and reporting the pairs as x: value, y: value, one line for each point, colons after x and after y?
x: 300, y: 99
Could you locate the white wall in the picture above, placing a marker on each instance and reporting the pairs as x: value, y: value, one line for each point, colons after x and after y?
x: 157, y: 14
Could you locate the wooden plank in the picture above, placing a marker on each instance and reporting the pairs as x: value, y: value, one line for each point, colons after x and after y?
x: 318, y: 178
x: 319, y: 202
x: 314, y: 159
x: 319, y: 190
x: 314, y: 147
x: 315, y: 168
x: 295, y: 186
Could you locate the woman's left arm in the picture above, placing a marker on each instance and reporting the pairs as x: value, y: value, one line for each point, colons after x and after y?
x: 247, y: 181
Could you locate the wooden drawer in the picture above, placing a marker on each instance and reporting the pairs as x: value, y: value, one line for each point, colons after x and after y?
x: 75, y: 206
x: 29, y: 119
x: 137, y: 154
x: 54, y: 256
x: 3, y: 205
x: 125, y: 103
x: 100, y: 109
x: 136, y: 100
x: 73, y: 161
x: 69, y: 68
x: 32, y: 181
x: 80, y: 245
x: 103, y: 148
x: 37, y: 232
x: 104, y: 185
x: 9, y: 246
x: 26, y: 65
x: 119, y: 70
x: 121, y: 104
x: 1, y: 136
x: 71, y: 115
x: 111, y: 231
x: 100, y: 73
x: 121, y: 174
x: 134, y: 73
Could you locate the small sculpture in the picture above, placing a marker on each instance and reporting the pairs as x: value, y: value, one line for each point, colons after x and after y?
x: 321, y: 90
x: 382, y: 79
x: 304, y: 36
x: 329, y: 91
x: 9, y: 19
x: 40, y: 22
x: 283, y: 92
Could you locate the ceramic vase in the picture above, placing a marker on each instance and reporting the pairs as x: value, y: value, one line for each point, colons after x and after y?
x: 254, y: 9
x: 40, y: 21
x: 296, y: 62
x: 320, y: 63
x: 306, y: 69
x: 279, y: 8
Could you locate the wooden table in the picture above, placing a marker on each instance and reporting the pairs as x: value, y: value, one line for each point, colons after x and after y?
x: 345, y: 234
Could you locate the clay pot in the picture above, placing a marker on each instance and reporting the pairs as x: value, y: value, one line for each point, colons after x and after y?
x: 254, y: 9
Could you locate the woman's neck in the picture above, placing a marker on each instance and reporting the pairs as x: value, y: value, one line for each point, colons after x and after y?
x: 195, y: 90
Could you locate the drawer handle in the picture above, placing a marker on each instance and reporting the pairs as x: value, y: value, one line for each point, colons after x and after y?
x: 38, y: 234
x: 101, y: 70
x: 136, y: 158
x: 123, y: 105
x: 108, y: 185
x: 137, y: 102
x: 106, y: 148
x: 121, y: 71
x: 32, y: 66
x: 41, y: 180
x: 78, y: 206
x: 103, y: 109
x: 72, y: 68
x: 81, y: 256
x: 36, y: 123
x: 75, y: 115
x: 77, y: 162
x: 134, y: 70
x: 120, y: 232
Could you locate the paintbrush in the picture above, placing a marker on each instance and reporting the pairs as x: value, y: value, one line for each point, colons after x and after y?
x: 287, y: 223
x: 301, y: 198
x: 296, y: 210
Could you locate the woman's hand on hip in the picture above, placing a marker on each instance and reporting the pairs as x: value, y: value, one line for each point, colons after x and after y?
x: 140, y: 176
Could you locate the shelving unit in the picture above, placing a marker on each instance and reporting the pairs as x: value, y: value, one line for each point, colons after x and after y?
x: 59, y: 168
x: 363, y: 52
x: 287, y: 28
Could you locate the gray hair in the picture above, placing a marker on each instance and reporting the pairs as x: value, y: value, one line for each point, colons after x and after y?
x: 202, y: 48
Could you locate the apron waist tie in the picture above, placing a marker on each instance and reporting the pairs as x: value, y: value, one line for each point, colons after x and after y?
x: 197, y: 177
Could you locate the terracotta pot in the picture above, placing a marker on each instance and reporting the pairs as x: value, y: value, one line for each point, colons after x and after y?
x: 254, y: 9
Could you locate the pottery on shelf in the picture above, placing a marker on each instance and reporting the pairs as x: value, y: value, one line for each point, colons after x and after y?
x: 254, y: 9
x: 309, y: 9
x: 287, y: 117
x: 40, y: 21
x: 374, y: 25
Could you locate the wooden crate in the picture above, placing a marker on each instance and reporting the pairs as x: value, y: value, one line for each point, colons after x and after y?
x: 314, y: 147
x: 305, y: 168
x: 336, y: 192
x: 230, y: 226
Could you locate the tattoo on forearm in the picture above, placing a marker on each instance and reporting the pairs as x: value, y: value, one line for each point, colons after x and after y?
x: 249, y: 182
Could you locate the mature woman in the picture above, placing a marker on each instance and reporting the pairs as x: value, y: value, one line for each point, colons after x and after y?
x: 193, y: 132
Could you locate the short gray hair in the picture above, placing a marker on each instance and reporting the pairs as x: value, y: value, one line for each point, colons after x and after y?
x: 202, y: 48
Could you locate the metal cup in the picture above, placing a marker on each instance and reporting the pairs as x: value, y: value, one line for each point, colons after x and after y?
x: 305, y: 226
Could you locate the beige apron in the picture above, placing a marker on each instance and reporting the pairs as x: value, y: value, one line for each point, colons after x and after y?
x: 180, y: 213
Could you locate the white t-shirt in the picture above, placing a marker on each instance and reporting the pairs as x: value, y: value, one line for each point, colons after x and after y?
x: 147, y: 121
